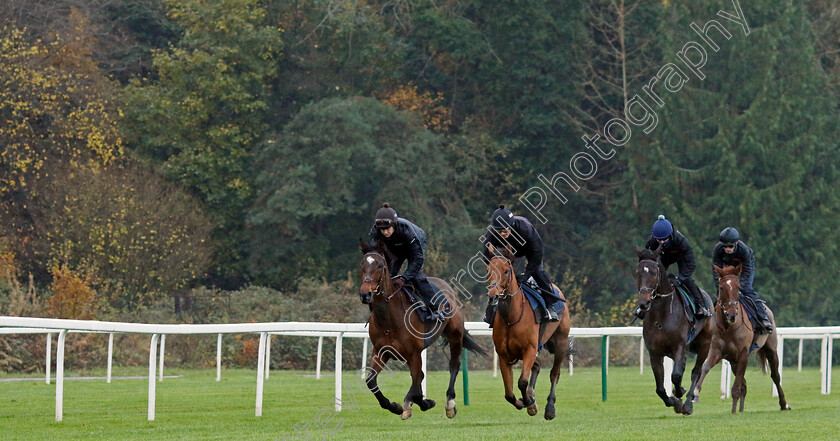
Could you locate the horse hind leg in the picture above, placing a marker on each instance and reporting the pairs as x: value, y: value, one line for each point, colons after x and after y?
x: 560, y: 348
x: 455, y: 349
x: 773, y: 360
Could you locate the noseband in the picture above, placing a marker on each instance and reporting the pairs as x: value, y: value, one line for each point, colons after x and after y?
x: 658, y: 277
x: 505, y: 291
x: 368, y: 279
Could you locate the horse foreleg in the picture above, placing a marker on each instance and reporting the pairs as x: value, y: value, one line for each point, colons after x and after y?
x: 455, y: 348
x: 710, y: 362
x: 688, y: 406
x: 659, y: 376
x: 372, y: 372
x: 507, y: 378
x: 677, y: 373
x: 739, y: 386
x: 554, y: 375
x: 528, y: 399
x: 532, y: 382
x: 415, y: 392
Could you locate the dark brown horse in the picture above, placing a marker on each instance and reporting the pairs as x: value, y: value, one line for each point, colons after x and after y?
x: 397, y: 332
x: 666, y: 328
x: 733, y: 336
x: 516, y: 335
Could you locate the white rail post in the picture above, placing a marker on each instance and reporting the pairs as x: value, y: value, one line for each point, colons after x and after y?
x: 162, y: 349
x: 800, y: 355
x: 219, y: 358
x: 49, y: 356
x: 780, y: 350
x: 260, y: 374
x: 496, y: 363
x: 338, y: 341
x: 725, y: 379
x: 423, y: 368
x: 152, y: 364
x: 318, y: 359
x: 364, y: 353
x: 110, y: 357
x: 668, y: 364
x: 267, y: 355
x: 607, y: 356
x: 59, y: 376
x: 642, y: 356
x: 825, y: 364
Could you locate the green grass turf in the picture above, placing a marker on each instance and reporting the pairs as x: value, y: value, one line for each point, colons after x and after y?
x: 196, y: 407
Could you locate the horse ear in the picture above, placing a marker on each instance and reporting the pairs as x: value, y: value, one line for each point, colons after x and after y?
x: 509, y: 253
x: 718, y: 269
x: 657, y: 252
x: 739, y: 268
x: 491, y: 248
x: 637, y: 250
x: 362, y: 245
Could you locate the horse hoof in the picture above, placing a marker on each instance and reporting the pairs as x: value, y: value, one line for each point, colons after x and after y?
x: 451, y: 411
x: 549, y: 415
x: 532, y: 409
x: 429, y: 404
x: 518, y: 404
x: 395, y: 408
x: 406, y: 415
x: 688, y: 409
x: 787, y: 407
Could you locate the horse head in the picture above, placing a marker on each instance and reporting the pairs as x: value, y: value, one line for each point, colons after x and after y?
x: 374, y: 269
x: 729, y: 291
x: 650, y: 276
x: 500, y: 277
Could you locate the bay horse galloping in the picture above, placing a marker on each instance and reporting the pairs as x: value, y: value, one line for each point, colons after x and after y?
x: 734, y: 336
x: 666, y: 329
x: 516, y: 335
x: 397, y: 332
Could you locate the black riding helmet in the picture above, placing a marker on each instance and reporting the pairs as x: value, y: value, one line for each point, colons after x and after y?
x: 501, y: 218
x: 385, y: 217
x: 729, y: 236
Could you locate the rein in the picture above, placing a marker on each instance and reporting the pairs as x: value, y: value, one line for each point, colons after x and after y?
x: 733, y: 304
x: 506, y: 295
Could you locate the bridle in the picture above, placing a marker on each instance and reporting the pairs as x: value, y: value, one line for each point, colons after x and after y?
x: 383, y: 267
x: 658, y: 277
x: 732, y: 304
x: 506, y: 294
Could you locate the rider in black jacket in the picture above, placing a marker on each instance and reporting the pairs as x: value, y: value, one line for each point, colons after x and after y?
x: 730, y: 250
x: 406, y: 241
x: 518, y: 233
x: 676, y: 249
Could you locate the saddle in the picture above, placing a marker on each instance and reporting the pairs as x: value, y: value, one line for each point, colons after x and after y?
x: 689, y: 306
x: 535, y: 299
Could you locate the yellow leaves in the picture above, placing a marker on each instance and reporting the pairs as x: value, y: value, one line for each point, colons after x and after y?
x: 50, y: 109
x: 436, y: 116
x: 73, y: 297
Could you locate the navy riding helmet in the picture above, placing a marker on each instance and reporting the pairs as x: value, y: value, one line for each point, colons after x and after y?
x: 662, y: 228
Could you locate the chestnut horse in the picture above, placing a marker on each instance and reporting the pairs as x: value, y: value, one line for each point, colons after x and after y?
x: 397, y: 332
x: 733, y: 336
x: 666, y: 328
x: 516, y: 334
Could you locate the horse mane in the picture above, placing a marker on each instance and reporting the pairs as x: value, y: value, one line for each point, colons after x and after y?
x: 378, y: 246
x: 647, y: 254
x: 728, y: 270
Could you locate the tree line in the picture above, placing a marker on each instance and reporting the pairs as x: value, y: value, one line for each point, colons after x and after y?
x: 153, y: 147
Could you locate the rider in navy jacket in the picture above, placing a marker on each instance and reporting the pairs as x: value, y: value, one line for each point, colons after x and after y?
x: 519, y: 233
x: 676, y: 249
x: 405, y: 241
x: 730, y: 250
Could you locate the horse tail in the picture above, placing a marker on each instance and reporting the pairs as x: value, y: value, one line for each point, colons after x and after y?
x: 570, y: 349
x: 762, y: 360
x: 472, y: 346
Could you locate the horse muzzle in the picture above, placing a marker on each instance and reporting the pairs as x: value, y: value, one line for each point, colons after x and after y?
x: 643, y: 306
x: 366, y: 297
